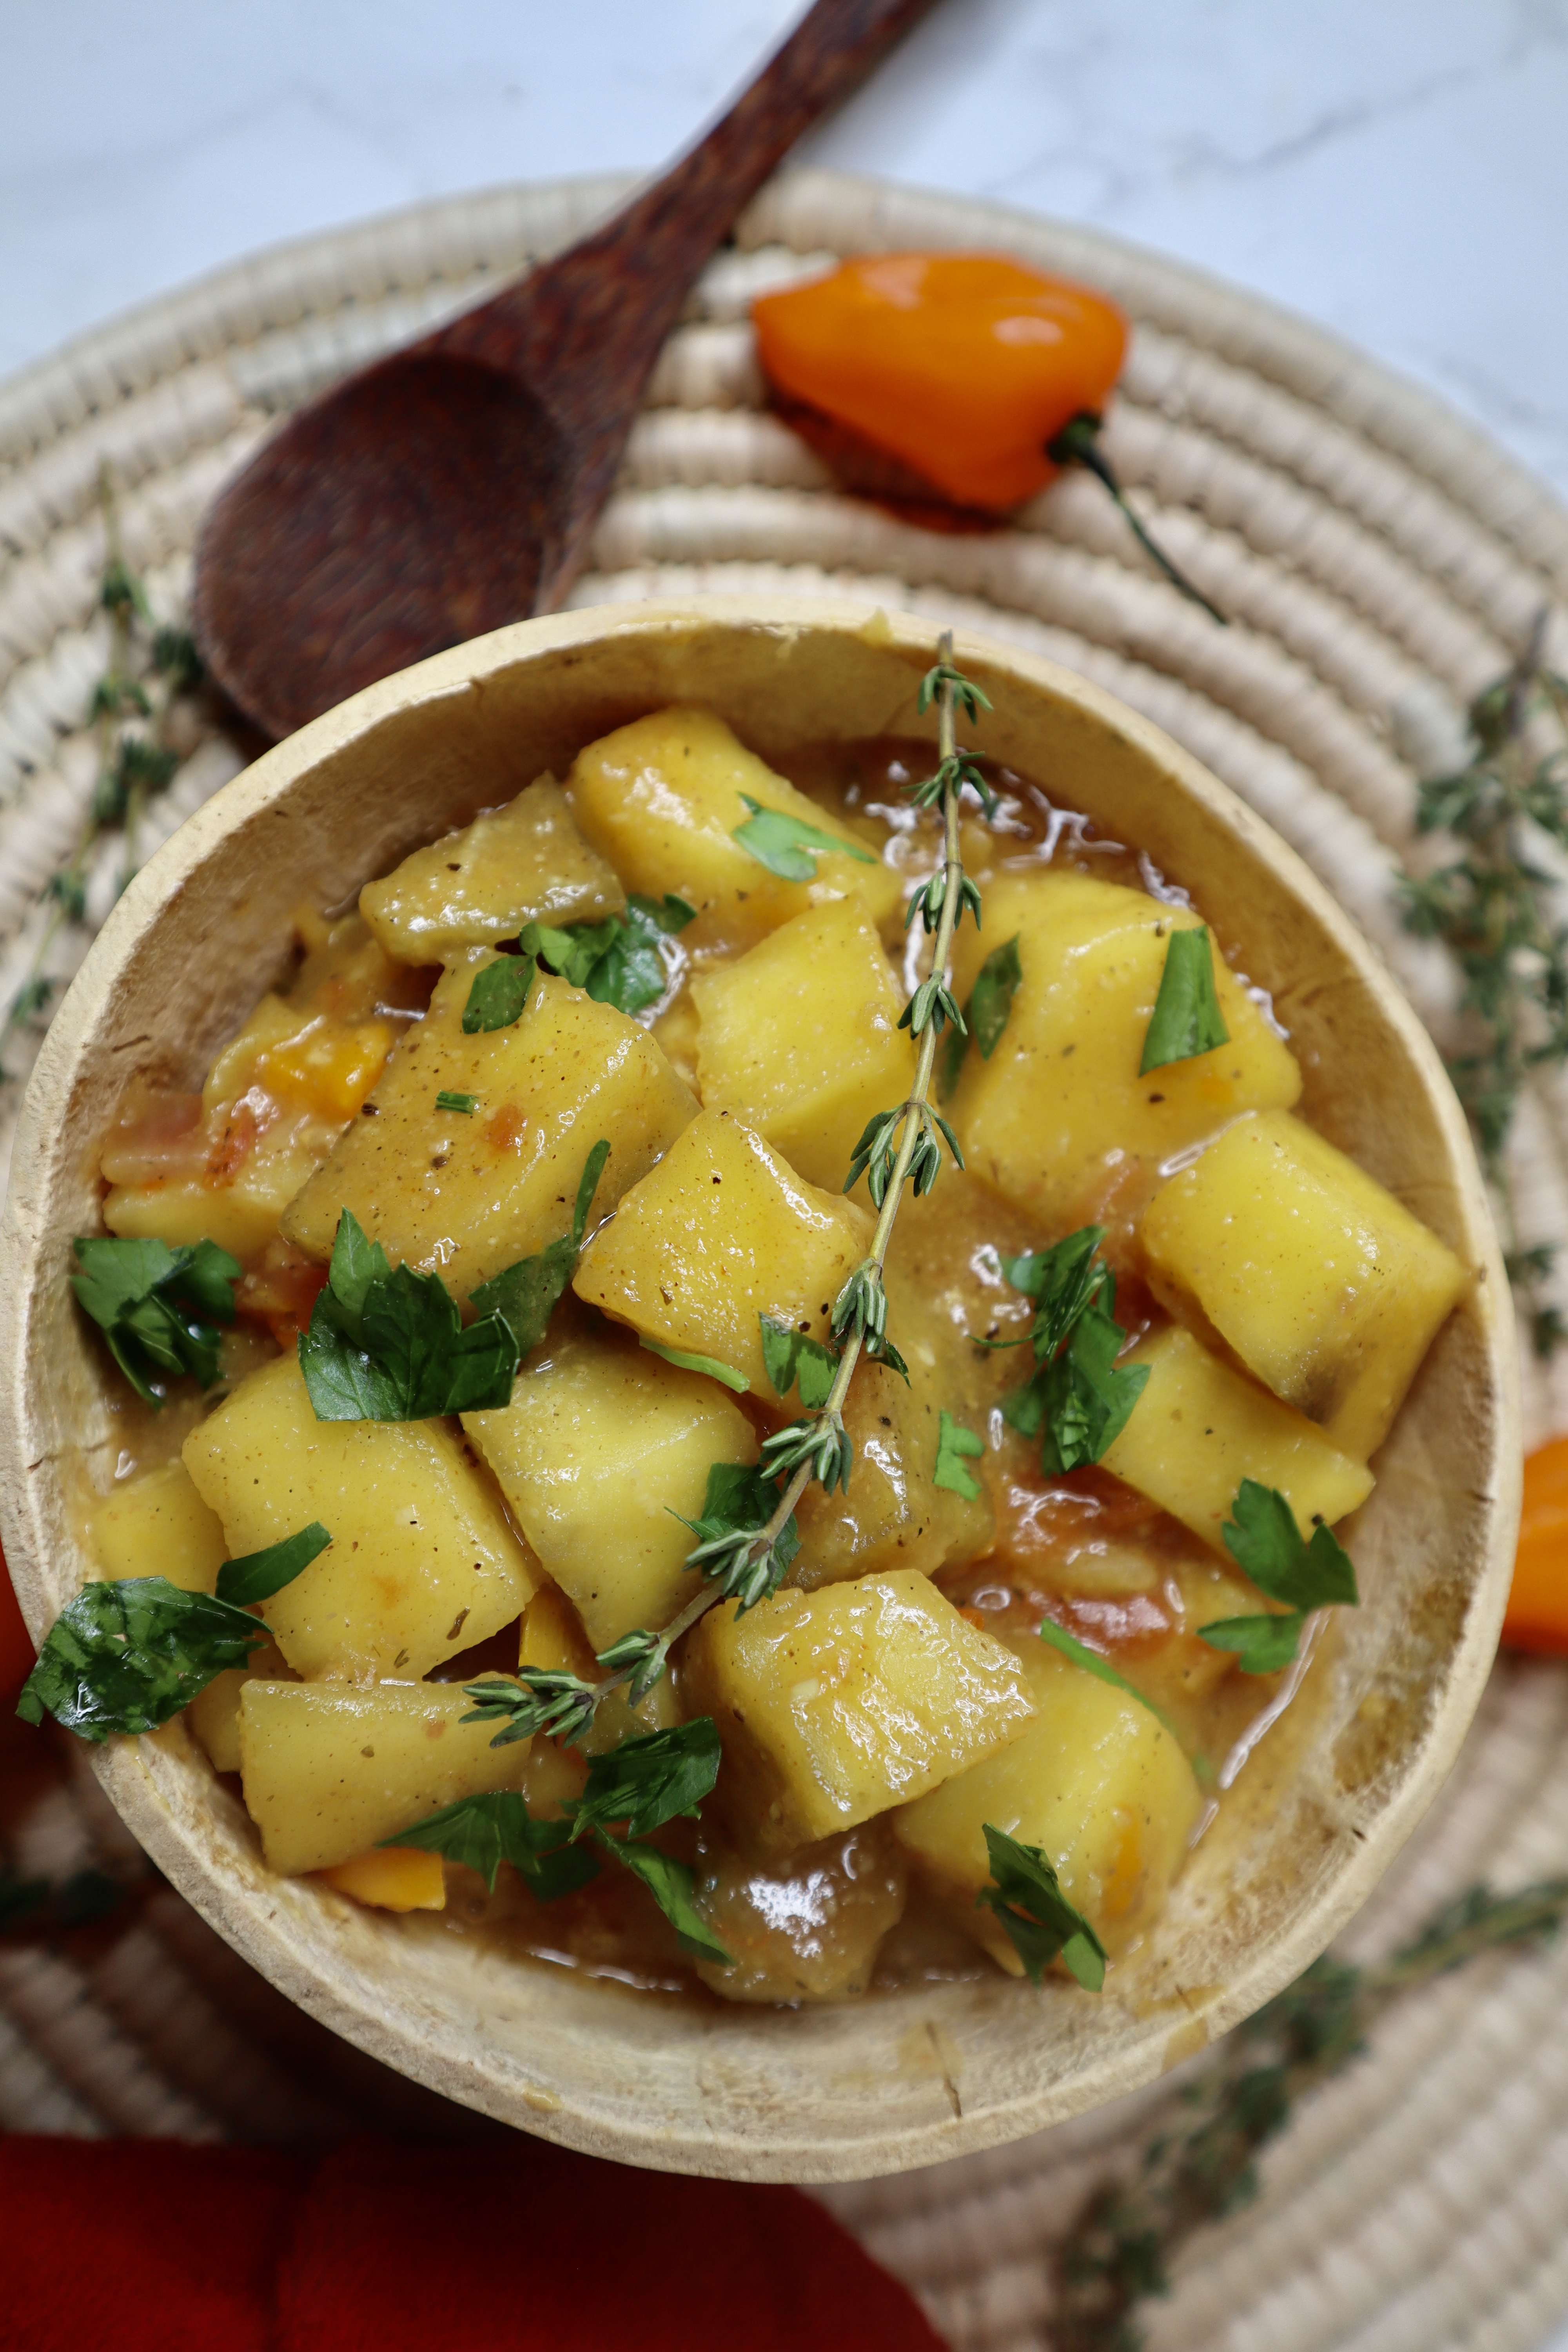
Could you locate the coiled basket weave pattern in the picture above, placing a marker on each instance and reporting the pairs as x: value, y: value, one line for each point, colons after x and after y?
x: 1381, y: 561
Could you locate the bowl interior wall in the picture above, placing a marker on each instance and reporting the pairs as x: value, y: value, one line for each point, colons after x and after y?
x: 933, y: 2070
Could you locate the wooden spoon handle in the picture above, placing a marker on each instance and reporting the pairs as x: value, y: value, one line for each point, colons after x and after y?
x: 587, y: 327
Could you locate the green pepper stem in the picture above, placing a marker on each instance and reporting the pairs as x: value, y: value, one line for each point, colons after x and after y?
x: 1078, y: 444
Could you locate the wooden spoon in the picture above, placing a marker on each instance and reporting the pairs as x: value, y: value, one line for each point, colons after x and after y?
x: 451, y: 487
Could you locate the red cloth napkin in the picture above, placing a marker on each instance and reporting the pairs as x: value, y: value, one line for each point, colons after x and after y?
x: 148, y: 2246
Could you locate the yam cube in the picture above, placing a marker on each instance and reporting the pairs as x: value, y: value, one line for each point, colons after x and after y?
x: 1094, y: 1780
x: 800, y: 1038
x: 422, y: 1562
x: 601, y: 1443
x: 1325, y: 1286
x: 158, y: 1525
x: 214, y: 1714
x: 1201, y: 1427
x: 1061, y: 1106
x: 894, y: 1514
x: 391, y: 1878
x: 720, y: 1233
x: 663, y: 800
x: 329, y: 1771
x: 525, y: 863
x: 468, y: 1193
x: 240, y: 1213
x: 833, y: 1706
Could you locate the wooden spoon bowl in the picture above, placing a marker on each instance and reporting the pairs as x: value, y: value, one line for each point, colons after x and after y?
x: 932, y: 2070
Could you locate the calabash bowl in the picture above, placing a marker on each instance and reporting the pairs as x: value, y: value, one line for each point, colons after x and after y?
x: 931, y: 2070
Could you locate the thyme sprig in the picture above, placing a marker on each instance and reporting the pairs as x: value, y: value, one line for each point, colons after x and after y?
x: 133, y: 706
x: 1200, y: 2162
x: 739, y: 1557
x: 1490, y: 907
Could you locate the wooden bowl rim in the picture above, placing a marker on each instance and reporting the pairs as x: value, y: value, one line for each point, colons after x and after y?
x: 257, y: 1931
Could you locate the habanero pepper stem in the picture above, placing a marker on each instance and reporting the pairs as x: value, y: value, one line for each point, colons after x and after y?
x: 1078, y: 444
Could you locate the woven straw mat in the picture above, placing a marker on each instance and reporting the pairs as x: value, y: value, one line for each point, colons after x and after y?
x: 1381, y: 561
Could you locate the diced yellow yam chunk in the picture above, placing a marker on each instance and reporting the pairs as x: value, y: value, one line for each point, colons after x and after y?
x: 1059, y: 1107
x: 601, y: 1443
x: 158, y: 1525
x: 298, y: 1052
x: 720, y: 1233
x: 329, y: 1770
x: 894, y: 1514
x: 1325, y: 1286
x: 1095, y: 1782
x: 1201, y: 1427
x: 240, y: 1214
x: 214, y: 1714
x: 663, y: 798
x: 833, y: 1706
x: 800, y: 1038
x: 391, y: 1878
x: 467, y: 1193
x: 422, y: 1562
x: 525, y: 863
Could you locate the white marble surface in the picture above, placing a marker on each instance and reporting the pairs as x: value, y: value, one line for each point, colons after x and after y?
x: 1396, y: 168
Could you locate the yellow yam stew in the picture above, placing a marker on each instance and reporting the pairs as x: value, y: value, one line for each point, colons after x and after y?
x: 740, y: 1381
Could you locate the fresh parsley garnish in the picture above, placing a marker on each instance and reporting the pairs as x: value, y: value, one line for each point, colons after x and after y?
x: 258, y: 1575
x: 953, y: 1442
x: 156, y: 1307
x: 482, y: 1832
x: 126, y: 1656
x: 645, y: 1782
x: 987, y: 1012
x: 673, y: 1887
x: 1041, y: 1924
x: 620, y: 962
x: 1186, y: 1019
x: 386, y: 1346
x: 640, y: 1785
x: 788, y: 847
x: 739, y: 1501
x: 1262, y: 1538
x: 526, y: 1294
x: 711, y: 1365
x: 448, y: 1100
x: 792, y: 1358
x: 499, y: 994
x: 1077, y: 1401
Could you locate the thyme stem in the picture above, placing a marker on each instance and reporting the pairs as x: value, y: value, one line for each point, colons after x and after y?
x: 914, y: 1111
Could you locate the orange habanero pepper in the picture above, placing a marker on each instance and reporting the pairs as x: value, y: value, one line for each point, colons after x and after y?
x: 980, y: 377
x: 1537, y: 1615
